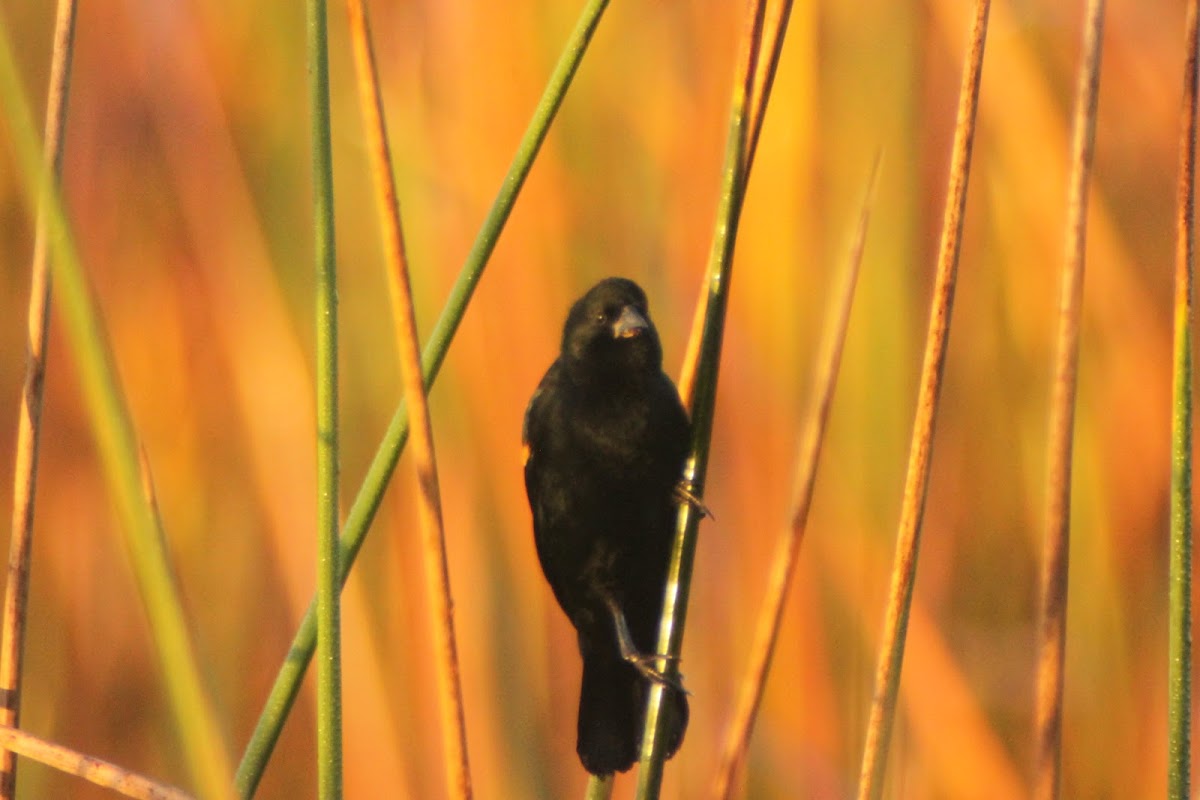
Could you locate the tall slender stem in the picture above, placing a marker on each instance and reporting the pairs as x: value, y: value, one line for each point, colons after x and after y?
x: 702, y: 397
x: 329, y: 671
x: 16, y: 589
x: 370, y: 495
x: 1179, y: 670
x: 116, y: 443
x: 1056, y: 545
x: 787, y: 550
x: 429, y: 503
x: 908, y: 539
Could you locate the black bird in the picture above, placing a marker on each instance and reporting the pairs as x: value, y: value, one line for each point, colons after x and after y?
x: 607, y: 437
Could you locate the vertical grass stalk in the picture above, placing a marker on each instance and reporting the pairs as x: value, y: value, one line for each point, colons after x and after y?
x: 366, y: 503
x: 329, y: 668
x: 904, y: 568
x: 16, y: 588
x: 599, y: 788
x: 1179, y: 646
x: 437, y: 572
x: 200, y: 736
x: 837, y: 322
x: 1052, y: 627
x: 702, y: 399
x: 773, y: 30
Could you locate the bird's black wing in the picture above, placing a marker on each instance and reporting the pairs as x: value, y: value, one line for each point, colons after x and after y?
x: 548, y: 487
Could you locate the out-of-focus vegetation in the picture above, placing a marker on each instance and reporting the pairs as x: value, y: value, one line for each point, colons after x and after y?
x: 187, y: 181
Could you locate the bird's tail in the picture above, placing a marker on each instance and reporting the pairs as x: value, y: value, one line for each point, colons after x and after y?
x: 612, y: 704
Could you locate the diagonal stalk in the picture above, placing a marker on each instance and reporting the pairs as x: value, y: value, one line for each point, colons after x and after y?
x: 202, y: 742
x: 433, y: 538
x: 1056, y: 546
x: 90, y: 768
x: 837, y: 323
x: 904, y: 569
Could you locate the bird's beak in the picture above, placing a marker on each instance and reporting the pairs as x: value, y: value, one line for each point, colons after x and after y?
x: 629, y: 324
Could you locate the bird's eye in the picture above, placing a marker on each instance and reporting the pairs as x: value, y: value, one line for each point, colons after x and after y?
x: 602, y: 316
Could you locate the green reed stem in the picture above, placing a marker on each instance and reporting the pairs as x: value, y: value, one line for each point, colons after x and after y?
x: 370, y: 495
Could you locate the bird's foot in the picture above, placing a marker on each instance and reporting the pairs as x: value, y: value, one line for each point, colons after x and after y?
x: 645, y: 664
x: 647, y: 667
x: 684, y: 494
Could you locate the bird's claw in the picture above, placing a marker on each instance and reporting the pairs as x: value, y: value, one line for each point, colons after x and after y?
x: 684, y: 494
x: 646, y: 665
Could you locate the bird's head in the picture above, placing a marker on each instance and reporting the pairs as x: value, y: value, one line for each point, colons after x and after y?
x: 609, y: 333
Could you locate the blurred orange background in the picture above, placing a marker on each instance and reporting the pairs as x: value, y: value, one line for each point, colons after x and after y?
x: 187, y: 180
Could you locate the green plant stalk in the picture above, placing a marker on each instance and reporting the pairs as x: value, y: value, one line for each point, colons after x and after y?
x: 370, y: 495
x: 703, y: 407
x: 329, y: 640
x: 1179, y: 637
x: 599, y: 787
x: 1180, y: 644
x: 202, y: 743
x: 775, y: 28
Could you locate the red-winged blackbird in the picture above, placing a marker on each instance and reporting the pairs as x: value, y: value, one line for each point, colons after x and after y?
x: 607, y: 437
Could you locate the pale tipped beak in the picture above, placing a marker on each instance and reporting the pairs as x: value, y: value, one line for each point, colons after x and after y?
x: 629, y: 324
